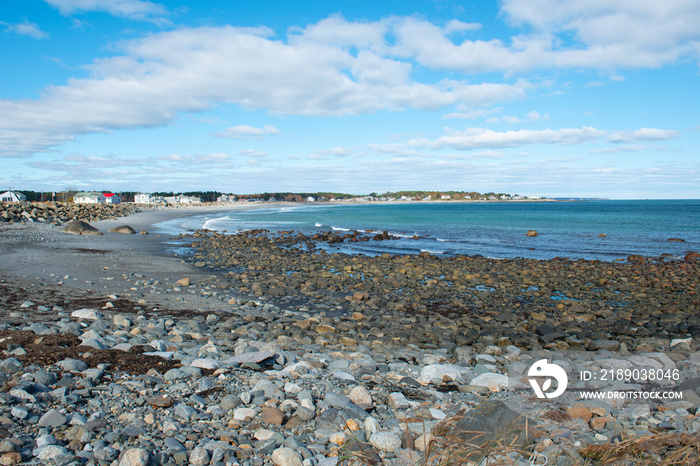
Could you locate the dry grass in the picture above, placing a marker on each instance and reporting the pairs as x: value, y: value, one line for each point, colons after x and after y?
x: 452, y: 446
x: 657, y: 450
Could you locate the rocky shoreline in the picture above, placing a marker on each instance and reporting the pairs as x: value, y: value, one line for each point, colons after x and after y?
x: 58, y: 213
x: 324, y: 359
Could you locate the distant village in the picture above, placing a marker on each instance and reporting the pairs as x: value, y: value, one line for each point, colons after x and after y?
x: 106, y: 197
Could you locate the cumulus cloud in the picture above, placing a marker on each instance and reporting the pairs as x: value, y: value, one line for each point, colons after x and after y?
x: 25, y: 28
x: 190, y: 70
x: 478, y: 138
x: 244, y: 131
x: 253, y: 153
x: 337, y: 67
x: 132, y: 9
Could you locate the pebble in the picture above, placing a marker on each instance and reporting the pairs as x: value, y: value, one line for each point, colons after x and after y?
x: 297, y: 384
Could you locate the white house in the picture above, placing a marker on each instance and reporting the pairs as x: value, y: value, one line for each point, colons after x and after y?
x: 180, y: 199
x: 148, y: 199
x: 226, y: 198
x: 12, y: 196
x: 89, y: 197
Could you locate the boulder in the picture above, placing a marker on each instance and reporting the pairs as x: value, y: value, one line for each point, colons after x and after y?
x: 123, y: 229
x: 78, y: 227
x: 532, y: 233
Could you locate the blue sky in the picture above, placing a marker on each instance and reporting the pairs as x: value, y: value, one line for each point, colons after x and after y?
x: 586, y: 98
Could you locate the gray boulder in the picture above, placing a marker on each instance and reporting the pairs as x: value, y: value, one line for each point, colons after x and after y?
x: 123, y: 229
x: 78, y: 227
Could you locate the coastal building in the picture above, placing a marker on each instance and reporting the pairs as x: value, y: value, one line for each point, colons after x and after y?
x: 180, y: 199
x: 92, y: 197
x: 111, y: 198
x: 148, y: 199
x: 226, y: 198
x: 12, y: 196
x: 293, y: 198
x: 89, y: 197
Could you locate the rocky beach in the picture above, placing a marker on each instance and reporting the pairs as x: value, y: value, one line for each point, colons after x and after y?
x: 261, y: 348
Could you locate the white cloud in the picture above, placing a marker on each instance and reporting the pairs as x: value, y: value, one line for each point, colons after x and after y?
x: 243, y: 131
x: 190, y: 70
x: 643, y: 134
x: 253, y: 153
x: 618, y: 149
x: 622, y: 34
x: 216, y: 157
x: 25, y: 28
x: 336, y: 151
x: 511, y: 119
x: 476, y: 138
x: 132, y: 9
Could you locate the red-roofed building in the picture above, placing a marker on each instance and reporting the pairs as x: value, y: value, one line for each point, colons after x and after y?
x: 111, y: 198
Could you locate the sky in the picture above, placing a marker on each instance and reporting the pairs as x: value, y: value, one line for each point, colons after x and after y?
x: 556, y: 98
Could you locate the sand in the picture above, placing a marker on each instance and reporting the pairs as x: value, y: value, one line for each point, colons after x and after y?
x: 36, y: 254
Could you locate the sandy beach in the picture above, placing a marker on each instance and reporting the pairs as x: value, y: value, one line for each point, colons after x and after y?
x: 254, y: 350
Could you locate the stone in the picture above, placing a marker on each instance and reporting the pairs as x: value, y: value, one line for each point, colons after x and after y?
x: 206, y: 363
x: 491, y: 380
x: 360, y: 396
x: 385, y: 441
x: 286, y: 457
x: 52, y: 418
x: 123, y: 229
x: 272, y: 416
x: 491, y: 424
x: 10, y: 366
x: 441, y: 373
x: 72, y: 365
x: 10, y: 458
x: 254, y: 357
x: 160, y: 401
x: 580, y: 411
x: 610, y: 345
x: 199, y: 457
x: 87, y: 314
x: 241, y: 414
x: 51, y: 452
x: 79, y: 227
x: 134, y: 457
x: 532, y: 233
x: 397, y: 400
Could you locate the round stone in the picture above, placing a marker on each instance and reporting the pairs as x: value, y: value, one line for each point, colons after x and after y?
x: 286, y: 457
x: 385, y: 441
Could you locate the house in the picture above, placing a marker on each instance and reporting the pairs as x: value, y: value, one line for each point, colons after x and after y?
x: 445, y: 197
x: 180, y: 199
x: 111, y: 198
x: 293, y: 198
x: 310, y: 199
x: 89, y: 197
x: 148, y: 199
x: 226, y: 198
x: 12, y: 196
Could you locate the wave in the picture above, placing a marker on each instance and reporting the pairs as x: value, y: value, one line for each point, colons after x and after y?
x: 444, y: 240
x: 211, y: 224
x: 339, y: 229
x: 318, y: 224
x: 432, y: 252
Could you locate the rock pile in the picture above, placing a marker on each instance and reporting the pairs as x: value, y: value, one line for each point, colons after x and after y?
x: 57, y: 213
x: 263, y: 385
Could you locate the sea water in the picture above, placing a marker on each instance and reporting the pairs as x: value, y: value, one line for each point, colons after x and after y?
x: 491, y: 229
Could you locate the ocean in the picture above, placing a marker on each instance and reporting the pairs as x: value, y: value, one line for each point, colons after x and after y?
x: 490, y: 229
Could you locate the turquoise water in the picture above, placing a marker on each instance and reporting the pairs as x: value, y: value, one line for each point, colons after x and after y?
x: 566, y: 229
